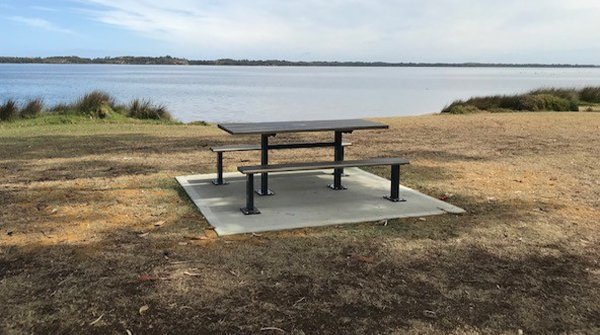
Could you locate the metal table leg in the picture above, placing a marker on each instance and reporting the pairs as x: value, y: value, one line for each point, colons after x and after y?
x: 250, y: 209
x: 339, y: 156
x: 395, y: 186
x: 264, y: 160
x: 220, y: 180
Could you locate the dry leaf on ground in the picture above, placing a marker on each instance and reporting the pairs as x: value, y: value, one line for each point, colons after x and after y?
x: 144, y: 309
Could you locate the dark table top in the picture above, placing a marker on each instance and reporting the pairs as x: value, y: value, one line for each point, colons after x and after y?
x: 299, y: 126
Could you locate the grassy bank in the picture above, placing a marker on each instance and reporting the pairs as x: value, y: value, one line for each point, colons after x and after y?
x: 93, y: 227
x: 545, y: 99
x: 95, y: 106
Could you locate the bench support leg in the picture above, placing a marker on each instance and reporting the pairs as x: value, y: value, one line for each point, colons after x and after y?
x: 250, y: 209
x: 264, y: 160
x: 339, y: 156
x: 342, y: 149
x: 395, y: 186
x: 344, y: 174
x: 219, y: 180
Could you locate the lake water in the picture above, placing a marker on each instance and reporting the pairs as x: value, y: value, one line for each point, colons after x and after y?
x: 228, y: 93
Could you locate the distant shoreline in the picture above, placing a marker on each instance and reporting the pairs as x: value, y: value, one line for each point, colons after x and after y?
x: 168, y: 60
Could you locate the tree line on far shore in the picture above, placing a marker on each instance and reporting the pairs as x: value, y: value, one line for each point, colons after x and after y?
x: 168, y: 60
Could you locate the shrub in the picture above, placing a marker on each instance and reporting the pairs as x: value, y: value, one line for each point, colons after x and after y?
x: 145, y: 109
x: 32, y: 108
x: 530, y: 102
x: 553, y: 99
x: 9, y: 110
x: 573, y: 106
x: 61, y: 108
x: 121, y: 109
x: 565, y: 93
x: 487, y: 103
x: 96, y: 104
x: 546, y: 102
x: 555, y: 103
x: 449, y: 107
x: 463, y: 109
x: 590, y: 94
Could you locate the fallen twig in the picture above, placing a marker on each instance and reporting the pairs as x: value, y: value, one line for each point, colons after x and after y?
x: 95, y: 321
x: 48, y: 236
x: 299, y: 301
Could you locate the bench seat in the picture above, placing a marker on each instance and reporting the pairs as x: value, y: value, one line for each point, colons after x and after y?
x: 249, y: 171
x: 321, y: 165
x: 255, y: 147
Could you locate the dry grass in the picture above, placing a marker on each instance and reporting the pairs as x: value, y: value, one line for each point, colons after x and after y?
x: 80, y: 252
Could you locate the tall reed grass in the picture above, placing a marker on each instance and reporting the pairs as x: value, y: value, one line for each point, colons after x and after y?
x: 145, y: 109
x: 95, y: 104
x: 9, y: 110
x: 543, y: 99
x: 32, y: 108
x: 590, y: 94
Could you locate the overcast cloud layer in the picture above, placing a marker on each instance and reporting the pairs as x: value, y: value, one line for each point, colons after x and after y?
x: 549, y: 31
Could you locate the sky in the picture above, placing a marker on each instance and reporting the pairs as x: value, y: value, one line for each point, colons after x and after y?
x: 509, y: 31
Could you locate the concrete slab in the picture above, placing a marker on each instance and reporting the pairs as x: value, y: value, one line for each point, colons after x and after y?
x: 302, y: 199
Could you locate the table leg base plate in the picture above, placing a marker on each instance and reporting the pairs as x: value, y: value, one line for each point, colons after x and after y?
x: 246, y: 211
x: 260, y: 192
x: 342, y: 187
x: 394, y: 199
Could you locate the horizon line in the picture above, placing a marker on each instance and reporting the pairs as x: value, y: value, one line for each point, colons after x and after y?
x: 284, y: 62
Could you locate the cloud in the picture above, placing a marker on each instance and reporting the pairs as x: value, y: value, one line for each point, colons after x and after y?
x: 42, y: 8
x: 40, y: 23
x: 393, y: 30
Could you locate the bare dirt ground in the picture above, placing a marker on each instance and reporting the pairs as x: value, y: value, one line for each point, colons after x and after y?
x: 96, y: 237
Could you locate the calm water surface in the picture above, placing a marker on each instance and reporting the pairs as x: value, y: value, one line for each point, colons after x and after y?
x: 227, y: 93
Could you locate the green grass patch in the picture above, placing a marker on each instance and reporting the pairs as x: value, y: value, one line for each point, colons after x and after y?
x: 93, y: 107
x: 543, y: 99
x: 62, y: 119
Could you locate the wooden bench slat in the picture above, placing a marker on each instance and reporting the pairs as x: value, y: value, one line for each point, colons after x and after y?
x: 254, y: 147
x: 321, y: 165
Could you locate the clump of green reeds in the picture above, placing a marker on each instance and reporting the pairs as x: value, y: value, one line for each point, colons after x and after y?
x: 565, y: 93
x: 95, y: 104
x: 32, y: 108
x: 146, y: 109
x: 590, y: 94
x: 543, y: 99
x: 9, y: 110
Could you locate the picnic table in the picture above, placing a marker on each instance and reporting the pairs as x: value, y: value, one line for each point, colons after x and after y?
x: 270, y: 129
